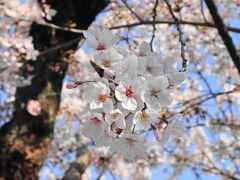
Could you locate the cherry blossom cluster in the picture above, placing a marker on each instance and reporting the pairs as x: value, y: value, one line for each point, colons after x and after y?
x: 16, y: 45
x: 127, y: 98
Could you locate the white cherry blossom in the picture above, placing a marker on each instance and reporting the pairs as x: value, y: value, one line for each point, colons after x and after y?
x: 99, y: 38
x: 116, y: 118
x: 128, y: 68
x: 105, y: 139
x: 175, y: 78
x: 128, y: 92
x: 156, y: 94
x: 94, y: 126
x: 109, y: 59
x: 144, y: 118
x: 144, y: 49
x: 173, y: 130
x: 130, y: 145
x: 150, y: 66
x: 98, y: 95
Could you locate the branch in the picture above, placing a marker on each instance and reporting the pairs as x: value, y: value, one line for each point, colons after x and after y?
x: 202, y: 11
x: 224, y: 33
x: 54, y: 26
x: 179, y: 29
x: 60, y: 46
x: 154, y: 26
x: 232, y: 29
x: 130, y: 9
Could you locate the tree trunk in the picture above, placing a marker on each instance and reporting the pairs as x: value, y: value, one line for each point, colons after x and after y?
x: 26, y: 139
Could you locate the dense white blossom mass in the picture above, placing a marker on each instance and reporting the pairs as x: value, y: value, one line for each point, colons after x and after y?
x: 128, y: 96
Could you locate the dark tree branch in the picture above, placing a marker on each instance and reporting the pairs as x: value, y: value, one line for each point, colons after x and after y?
x: 232, y: 29
x: 224, y: 33
x: 154, y: 25
x: 180, y: 33
x: 205, y: 24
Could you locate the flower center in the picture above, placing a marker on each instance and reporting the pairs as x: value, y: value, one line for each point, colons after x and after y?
x: 129, y: 92
x: 142, y: 54
x: 130, y: 141
x: 154, y: 92
x: 171, y: 85
x: 107, y: 63
x: 102, y: 98
x: 101, y: 47
x: 115, y: 115
x: 149, y: 68
x: 96, y: 121
x: 144, y: 116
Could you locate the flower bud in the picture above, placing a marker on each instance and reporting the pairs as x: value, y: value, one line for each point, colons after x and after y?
x: 71, y: 85
x: 108, y: 74
x: 157, y: 133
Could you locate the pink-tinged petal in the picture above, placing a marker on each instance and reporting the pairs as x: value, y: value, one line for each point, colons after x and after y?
x: 34, y: 107
x: 144, y: 49
x: 71, y: 85
x: 157, y: 135
x: 129, y: 103
x: 108, y: 74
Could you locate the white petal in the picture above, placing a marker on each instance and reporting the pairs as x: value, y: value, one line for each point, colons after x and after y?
x: 165, y: 99
x: 90, y: 39
x: 120, y: 92
x: 176, y: 78
x: 96, y: 105
x: 165, y: 137
x: 144, y: 48
x: 160, y: 82
x: 108, y: 106
x: 120, y: 123
x: 129, y: 103
x: 136, y: 117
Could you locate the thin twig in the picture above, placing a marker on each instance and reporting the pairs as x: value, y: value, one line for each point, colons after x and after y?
x: 229, y: 28
x: 154, y: 25
x: 54, y: 26
x: 130, y: 9
x: 60, y: 46
x: 179, y: 29
x: 202, y: 11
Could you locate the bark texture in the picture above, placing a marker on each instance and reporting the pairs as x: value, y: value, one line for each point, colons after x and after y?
x: 26, y: 139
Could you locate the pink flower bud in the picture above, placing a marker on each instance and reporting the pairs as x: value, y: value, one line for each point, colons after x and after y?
x: 157, y: 133
x: 71, y: 85
x: 34, y: 107
x: 108, y: 74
